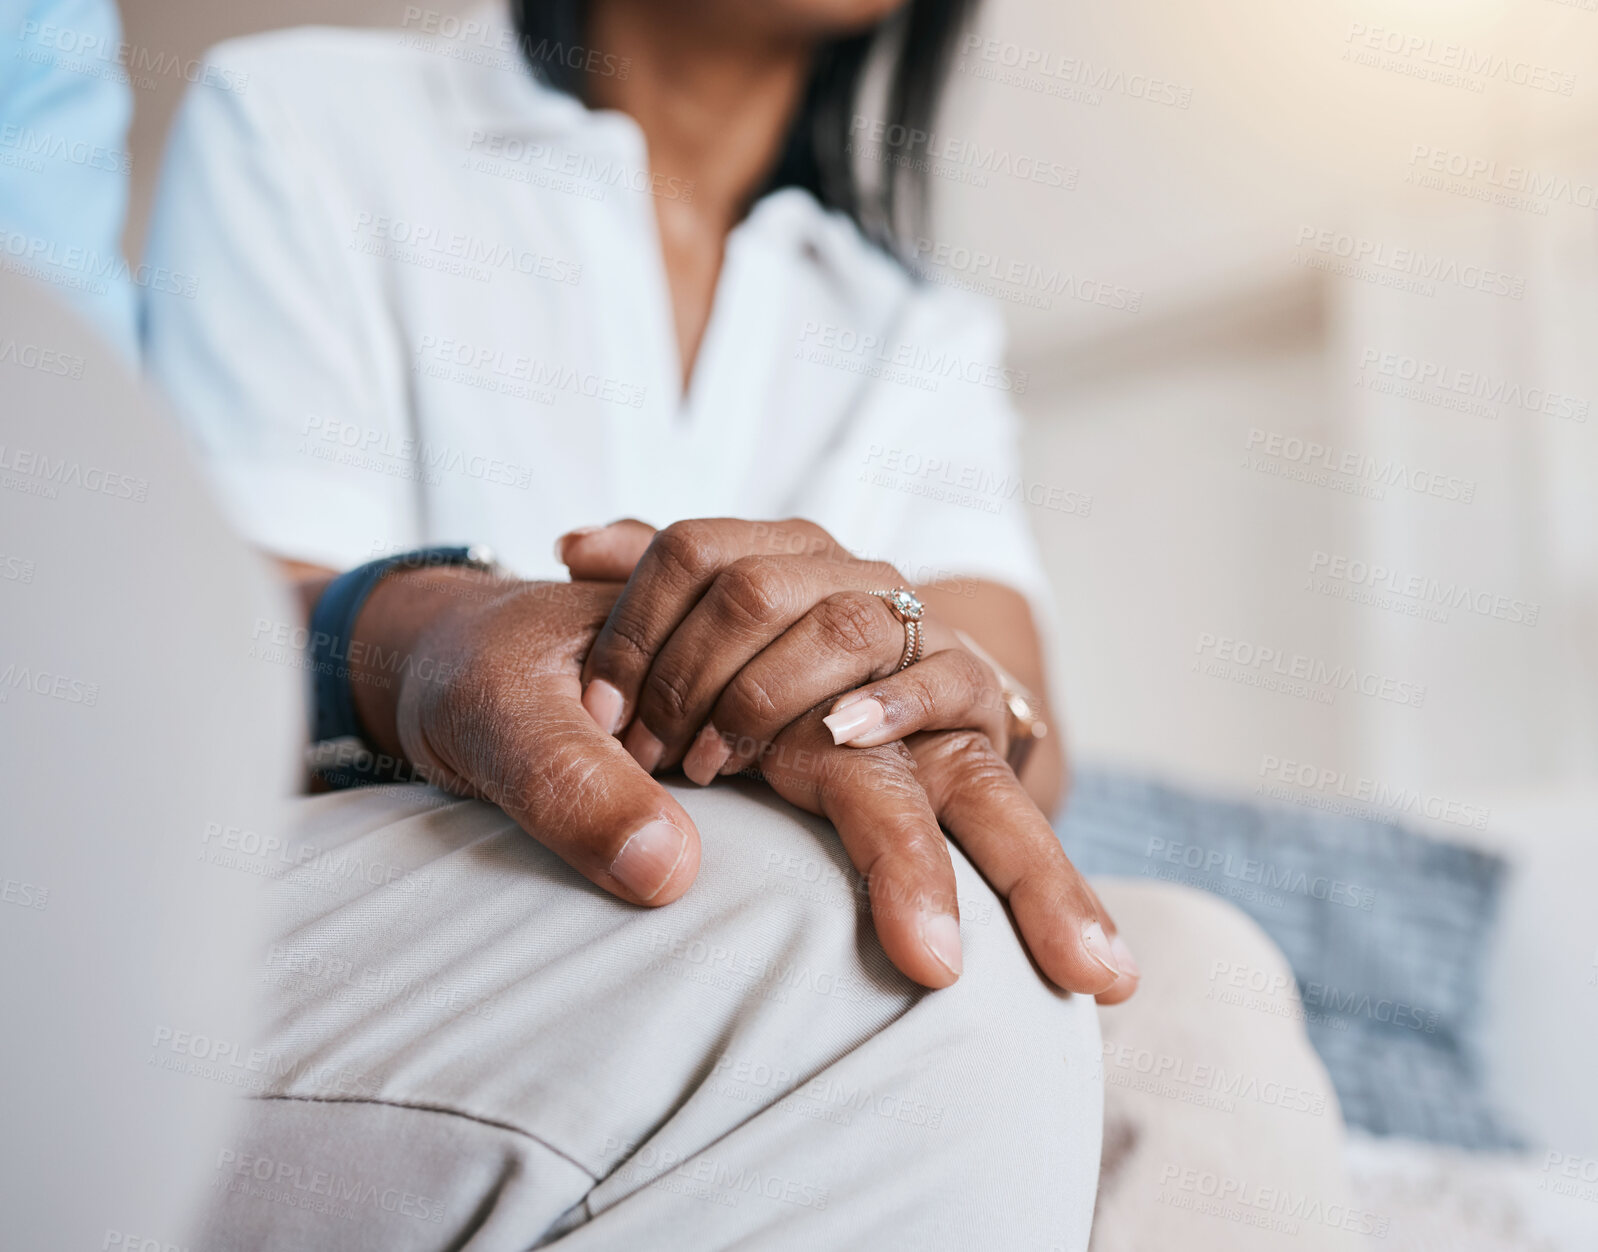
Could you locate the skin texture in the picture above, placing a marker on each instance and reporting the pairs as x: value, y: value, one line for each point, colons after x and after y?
x: 729, y: 629
x: 475, y: 681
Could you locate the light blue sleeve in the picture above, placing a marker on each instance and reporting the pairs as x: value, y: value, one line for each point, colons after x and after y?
x: 64, y: 164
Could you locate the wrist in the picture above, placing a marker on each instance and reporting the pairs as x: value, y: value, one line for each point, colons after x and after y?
x: 406, y: 637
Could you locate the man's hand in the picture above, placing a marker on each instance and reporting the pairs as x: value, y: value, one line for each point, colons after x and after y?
x: 484, y: 700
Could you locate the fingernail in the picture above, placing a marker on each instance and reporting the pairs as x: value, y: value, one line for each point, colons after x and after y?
x: 560, y: 543
x: 1124, y: 958
x: 705, y: 759
x: 649, y: 858
x: 646, y: 749
x: 604, y: 705
x: 1098, y: 947
x: 941, y: 934
x: 859, y: 718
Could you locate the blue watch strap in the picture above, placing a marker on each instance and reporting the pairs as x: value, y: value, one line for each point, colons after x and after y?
x: 333, y: 625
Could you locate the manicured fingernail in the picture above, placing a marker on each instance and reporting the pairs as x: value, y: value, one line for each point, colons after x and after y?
x: 649, y: 858
x: 941, y: 934
x: 646, y: 749
x: 1098, y: 947
x: 1124, y: 958
x: 860, y: 718
x: 560, y: 544
x: 604, y: 705
x: 705, y: 759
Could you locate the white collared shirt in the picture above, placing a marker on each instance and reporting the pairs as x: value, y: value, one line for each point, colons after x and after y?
x: 429, y: 306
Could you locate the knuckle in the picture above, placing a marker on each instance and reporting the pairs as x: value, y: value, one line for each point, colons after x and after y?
x: 751, y: 591
x: 852, y: 621
x: 747, y: 705
x: 624, y: 643
x: 668, y: 694
x: 687, y: 550
x: 966, y: 758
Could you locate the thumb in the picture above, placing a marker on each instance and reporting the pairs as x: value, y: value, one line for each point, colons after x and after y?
x: 604, y: 553
x: 575, y: 789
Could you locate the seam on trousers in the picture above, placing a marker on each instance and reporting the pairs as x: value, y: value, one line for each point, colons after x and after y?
x: 447, y: 1112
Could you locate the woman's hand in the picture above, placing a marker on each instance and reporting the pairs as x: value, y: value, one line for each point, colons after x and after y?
x: 887, y: 804
x: 728, y: 630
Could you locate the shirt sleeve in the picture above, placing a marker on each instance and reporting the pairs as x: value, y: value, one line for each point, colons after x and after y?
x: 64, y: 111
x: 927, y: 473
x: 268, y: 343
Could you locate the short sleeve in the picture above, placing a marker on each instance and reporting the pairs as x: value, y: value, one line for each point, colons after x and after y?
x: 261, y: 335
x: 63, y: 158
x: 927, y: 472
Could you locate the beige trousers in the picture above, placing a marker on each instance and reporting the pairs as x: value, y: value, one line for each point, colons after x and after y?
x: 470, y: 1046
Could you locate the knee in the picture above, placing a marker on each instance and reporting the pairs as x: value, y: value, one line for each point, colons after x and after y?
x: 1190, y: 938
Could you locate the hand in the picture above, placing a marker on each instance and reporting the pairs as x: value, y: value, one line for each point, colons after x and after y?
x: 486, y: 703
x: 729, y: 630
x: 887, y: 803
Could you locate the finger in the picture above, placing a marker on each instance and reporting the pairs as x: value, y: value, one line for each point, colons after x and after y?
x: 570, y: 786
x: 675, y: 570
x: 987, y: 811
x: 604, y: 553
x: 749, y: 606
x: 891, y: 835
x: 849, y: 637
x: 949, y: 690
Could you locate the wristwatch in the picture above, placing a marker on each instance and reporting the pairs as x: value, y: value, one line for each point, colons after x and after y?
x: 1026, y: 724
x: 333, y: 625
